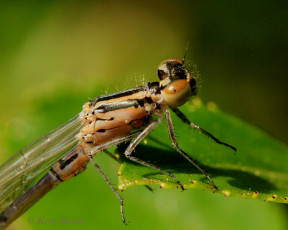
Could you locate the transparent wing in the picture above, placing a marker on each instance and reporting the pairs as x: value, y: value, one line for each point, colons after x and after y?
x: 22, y: 170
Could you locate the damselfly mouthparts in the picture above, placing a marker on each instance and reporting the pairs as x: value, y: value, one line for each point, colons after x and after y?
x: 105, y: 121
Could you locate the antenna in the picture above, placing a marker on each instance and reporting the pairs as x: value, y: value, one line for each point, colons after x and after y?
x: 183, y: 60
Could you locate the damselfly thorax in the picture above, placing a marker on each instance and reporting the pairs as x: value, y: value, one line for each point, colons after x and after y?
x: 108, y: 120
x: 111, y: 118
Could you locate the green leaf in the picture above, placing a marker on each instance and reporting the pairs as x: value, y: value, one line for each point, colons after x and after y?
x: 258, y: 170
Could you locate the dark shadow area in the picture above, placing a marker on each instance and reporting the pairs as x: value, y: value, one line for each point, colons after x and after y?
x: 173, y: 162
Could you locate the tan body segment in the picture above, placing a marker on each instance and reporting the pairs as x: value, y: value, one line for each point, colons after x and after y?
x: 102, y: 127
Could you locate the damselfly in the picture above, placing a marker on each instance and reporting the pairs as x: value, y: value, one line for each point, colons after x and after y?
x: 108, y: 120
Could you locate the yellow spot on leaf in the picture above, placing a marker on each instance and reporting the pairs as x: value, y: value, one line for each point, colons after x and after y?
x: 226, y: 193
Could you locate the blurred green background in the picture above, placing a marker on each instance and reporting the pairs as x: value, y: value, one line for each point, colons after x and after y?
x: 54, y: 55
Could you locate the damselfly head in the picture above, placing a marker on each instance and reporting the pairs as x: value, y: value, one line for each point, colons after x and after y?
x: 177, y: 85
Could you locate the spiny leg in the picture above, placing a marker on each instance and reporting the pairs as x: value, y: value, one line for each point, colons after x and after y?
x: 111, y: 187
x: 111, y: 155
x: 186, y: 121
x: 137, y: 140
x: 103, y: 147
x: 175, y: 145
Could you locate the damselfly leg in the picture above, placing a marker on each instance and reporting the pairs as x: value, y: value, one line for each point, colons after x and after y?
x: 137, y: 140
x: 186, y: 121
x: 111, y: 187
x: 184, y: 154
x: 103, y: 147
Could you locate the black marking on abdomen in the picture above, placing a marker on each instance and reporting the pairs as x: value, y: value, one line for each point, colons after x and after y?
x: 55, y: 174
x: 63, y: 163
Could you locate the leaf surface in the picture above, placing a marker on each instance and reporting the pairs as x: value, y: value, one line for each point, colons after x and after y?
x: 257, y: 170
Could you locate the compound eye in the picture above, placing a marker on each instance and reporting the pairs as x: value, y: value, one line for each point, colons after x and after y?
x: 176, y: 87
x: 177, y: 93
x: 161, y: 74
x: 171, y: 68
